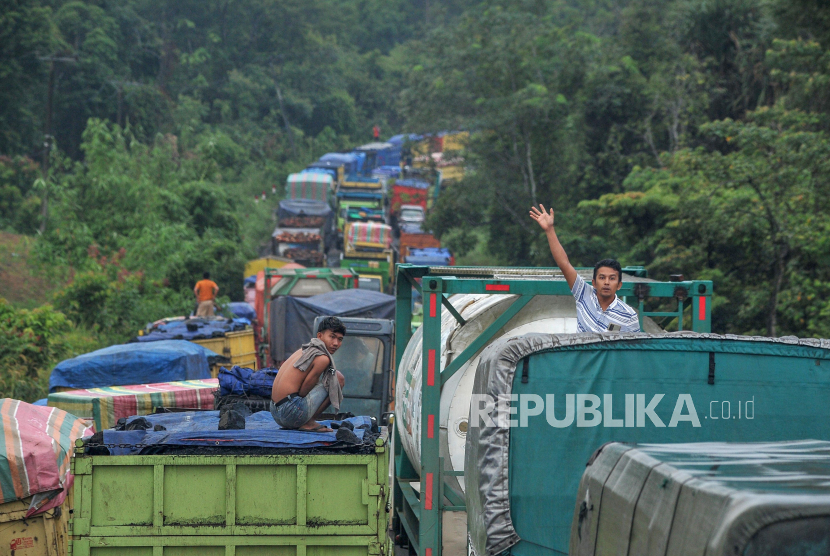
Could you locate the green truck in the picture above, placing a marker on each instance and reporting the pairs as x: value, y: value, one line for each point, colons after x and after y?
x: 360, y: 199
x: 367, y: 249
x: 500, y: 406
x: 241, y: 504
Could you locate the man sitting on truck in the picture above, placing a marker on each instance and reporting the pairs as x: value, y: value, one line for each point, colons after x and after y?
x: 598, y: 309
x: 307, y: 382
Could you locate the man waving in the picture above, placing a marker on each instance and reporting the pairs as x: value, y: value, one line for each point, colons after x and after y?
x: 598, y: 309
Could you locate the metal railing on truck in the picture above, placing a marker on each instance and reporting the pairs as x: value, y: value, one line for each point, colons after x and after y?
x: 337, y: 278
x: 418, y: 513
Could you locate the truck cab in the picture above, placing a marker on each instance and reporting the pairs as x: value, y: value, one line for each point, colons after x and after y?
x: 360, y: 199
x: 411, y: 214
x: 365, y: 359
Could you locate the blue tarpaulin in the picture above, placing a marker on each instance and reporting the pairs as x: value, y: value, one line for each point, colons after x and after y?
x: 166, y: 361
x: 193, y: 329
x: 301, y: 312
x: 389, y: 171
x: 413, y: 182
x: 243, y: 310
x: 430, y: 256
x: 399, y: 140
x: 241, y: 381
x: 351, y: 162
x: 201, y: 428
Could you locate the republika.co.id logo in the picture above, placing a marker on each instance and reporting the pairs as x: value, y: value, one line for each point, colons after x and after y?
x: 589, y: 410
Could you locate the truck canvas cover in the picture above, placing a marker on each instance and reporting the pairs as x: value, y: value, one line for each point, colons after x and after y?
x: 351, y: 162
x: 292, y: 318
x: 139, y: 363
x: 581, y: 391
x: 107, y: 405
x: 714, y: 498
x: 309, y: 185
x: 34, y: 456
x: 379, y: 235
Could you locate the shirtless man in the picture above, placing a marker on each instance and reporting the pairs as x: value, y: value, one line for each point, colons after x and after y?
x: 298, y: 397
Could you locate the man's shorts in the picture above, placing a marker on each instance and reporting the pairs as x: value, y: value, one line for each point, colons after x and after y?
x: 205, y: 309
x: 298, y: 411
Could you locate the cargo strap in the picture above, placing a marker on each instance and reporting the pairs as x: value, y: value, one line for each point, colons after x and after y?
x: 711, y: 367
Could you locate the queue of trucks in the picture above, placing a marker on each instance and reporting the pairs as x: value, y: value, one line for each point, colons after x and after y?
x: 375, y: 190
x: 506, y: 432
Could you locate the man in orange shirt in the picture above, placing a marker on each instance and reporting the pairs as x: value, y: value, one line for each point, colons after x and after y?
x: 205, y: 291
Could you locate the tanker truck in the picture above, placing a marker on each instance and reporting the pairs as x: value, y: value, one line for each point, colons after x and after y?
x: 499, y: 404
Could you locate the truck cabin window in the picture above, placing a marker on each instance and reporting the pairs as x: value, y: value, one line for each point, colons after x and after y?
x: 359, y: 359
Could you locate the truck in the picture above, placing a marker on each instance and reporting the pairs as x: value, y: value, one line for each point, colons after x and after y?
x: 367, y: 249
x: 430, y: 256
x: 366, y: 358
x: 36, y: 499
x: 715, y: 498
x: 414, y: 238
x: 194, y: 489
x: 496, y: 334
x: 314, y: 186
x: 352, y: 163
x: 296, y: 282
x: 305, y: 231
x: 360, y: 200
x: 411, y: 215
x: 409, y: 191
x: 304, y: 246
x: 336, y: 169
x: 378, y: 154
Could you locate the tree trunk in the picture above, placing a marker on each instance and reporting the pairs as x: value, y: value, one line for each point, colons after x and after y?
x: 47, y: 149
x: 778, y: 280
x: 530, y: 169
x: 287, y: 124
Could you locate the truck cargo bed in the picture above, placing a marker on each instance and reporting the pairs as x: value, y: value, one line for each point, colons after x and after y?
x: 225, y: 504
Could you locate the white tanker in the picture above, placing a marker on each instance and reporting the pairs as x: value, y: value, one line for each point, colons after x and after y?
x: 544, y: 313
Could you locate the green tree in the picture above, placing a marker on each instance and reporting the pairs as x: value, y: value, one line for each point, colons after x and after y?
x: 753, y: 215
x: 27, y: 35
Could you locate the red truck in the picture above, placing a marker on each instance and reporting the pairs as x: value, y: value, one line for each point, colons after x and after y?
x: 416, y: 241
x: 409, y: 191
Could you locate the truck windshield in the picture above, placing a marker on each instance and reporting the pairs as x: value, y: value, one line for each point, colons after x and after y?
x: 359, y: 359
x: 371, y: 284
x: 412, y: 214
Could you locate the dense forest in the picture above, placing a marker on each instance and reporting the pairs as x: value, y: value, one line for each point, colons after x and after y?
x: 689, y: 136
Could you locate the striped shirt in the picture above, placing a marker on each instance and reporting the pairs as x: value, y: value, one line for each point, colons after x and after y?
x: 591, y: 318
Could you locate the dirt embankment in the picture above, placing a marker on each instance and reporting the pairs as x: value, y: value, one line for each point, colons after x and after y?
x: 21, y: 283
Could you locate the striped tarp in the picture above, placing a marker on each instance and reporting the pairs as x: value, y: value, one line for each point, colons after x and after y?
x: 107, y: 405
x: 370, y: 232
x: 309, y: 185
x: 35, y: 448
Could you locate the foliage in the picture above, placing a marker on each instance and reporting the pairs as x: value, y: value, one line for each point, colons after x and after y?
x: 736, y: 215
x: 19, y: 204
x: 686, y: 135
x: 31, y: 343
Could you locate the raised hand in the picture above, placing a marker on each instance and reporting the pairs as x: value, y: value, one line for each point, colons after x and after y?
x: 542, y: 217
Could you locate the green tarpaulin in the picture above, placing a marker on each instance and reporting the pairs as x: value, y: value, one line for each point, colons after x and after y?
x: 682, y: 387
